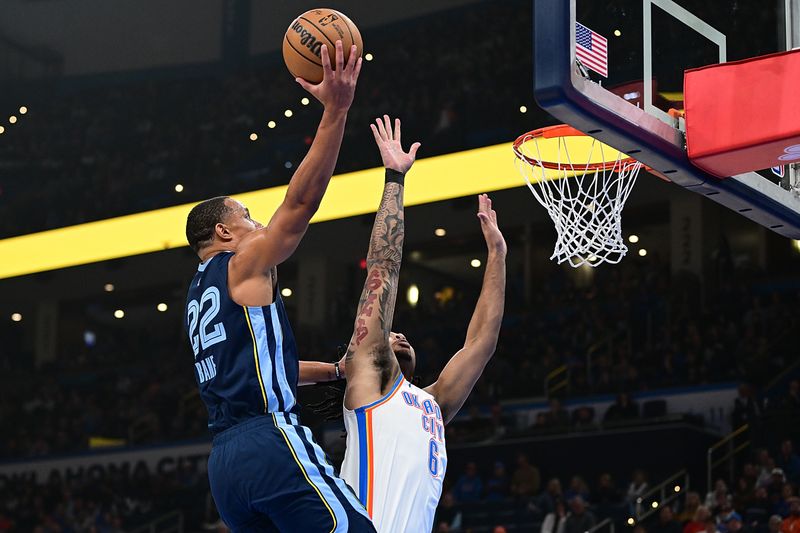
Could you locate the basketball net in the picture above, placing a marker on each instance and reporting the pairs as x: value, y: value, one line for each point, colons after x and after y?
x: 584, y: 200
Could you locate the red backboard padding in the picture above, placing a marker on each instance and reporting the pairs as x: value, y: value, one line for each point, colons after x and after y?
x: 744, y: 115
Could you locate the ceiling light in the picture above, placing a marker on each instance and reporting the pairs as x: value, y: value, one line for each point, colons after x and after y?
x: 305, y: 101
x: 178, y: 187
x: 369, y: 57
x: 475, y: 263
x: 440, y: 232
x: 23, y: 110
x: 253, y: 136
x: 642, y: 252
x: 162, y: 307
x: 288, y: 113
x: 286, y: 292
x: 633, y: 239
x: 119, y: 313
x: 16, y: 317
x: 523, y: 109
x: 108, y: 287
x: 412, y: 295
x: 617, y: 33
x: 271, y: 124
x: 12, y: 119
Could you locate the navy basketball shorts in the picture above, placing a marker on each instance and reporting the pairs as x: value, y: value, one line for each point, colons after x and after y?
x: 268, y: 474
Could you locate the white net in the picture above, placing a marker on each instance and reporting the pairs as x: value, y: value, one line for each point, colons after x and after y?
x: 584, y: 200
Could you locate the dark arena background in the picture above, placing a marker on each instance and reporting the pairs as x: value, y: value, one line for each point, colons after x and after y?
x: 657, y: 395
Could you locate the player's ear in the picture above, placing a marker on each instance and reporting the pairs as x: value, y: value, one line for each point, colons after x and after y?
x: 223, y: 232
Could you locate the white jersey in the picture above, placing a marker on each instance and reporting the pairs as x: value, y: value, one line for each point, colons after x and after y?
x: 396, y: 458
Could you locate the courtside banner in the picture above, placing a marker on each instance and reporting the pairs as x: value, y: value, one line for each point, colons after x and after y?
x: 128, y: 463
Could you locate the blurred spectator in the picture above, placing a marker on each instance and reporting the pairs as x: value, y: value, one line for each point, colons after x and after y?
x: 715, y: 498
x: 775, y: 524
x: 554, y: 522
x: 577, y: 487
x: 700, y: 521
x: 579, y: 520
x: 783, y: 504
x: 666, y: 522
x: 746, y: 408
x: 469, y: 487
x: 690, y: 505
x: 497, y: 484
x: 526, y: 481
x: 732, y: 524
x: 791, y: 524
x: 499, y: 529
x: 775, y: 485
x: 622, y: 409
x: 448, y: 516
x: 637, y: 487
x: 583, y: 418
x: 767, y: 466
x: 710, y: 526
x: 744, y: 494
x: 726, y: 511
x: 606, y: 493
x: 792, y: 401
x: 789, y: 462
x: 552, y: 495
x: 760, y: 504
x: 557, y: 416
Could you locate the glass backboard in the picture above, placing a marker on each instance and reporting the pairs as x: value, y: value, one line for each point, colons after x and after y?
x: 614, y: 70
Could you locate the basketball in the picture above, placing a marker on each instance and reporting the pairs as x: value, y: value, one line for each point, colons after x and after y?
x: 302, y: 44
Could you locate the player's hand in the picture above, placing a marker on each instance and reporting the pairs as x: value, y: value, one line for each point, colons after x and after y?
x: 388, y: 142
x: 337, y: 87
x: 491, y: 232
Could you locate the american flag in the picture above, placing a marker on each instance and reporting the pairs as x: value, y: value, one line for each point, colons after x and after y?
x: 592, y: 49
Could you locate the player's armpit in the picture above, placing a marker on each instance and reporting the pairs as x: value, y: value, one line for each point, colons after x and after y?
x: 371, y: 365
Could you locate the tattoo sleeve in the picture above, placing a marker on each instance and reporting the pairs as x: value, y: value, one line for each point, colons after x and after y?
x: 376, y: 306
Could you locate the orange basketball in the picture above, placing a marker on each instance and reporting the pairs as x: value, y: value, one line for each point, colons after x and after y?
x: 307, y: 33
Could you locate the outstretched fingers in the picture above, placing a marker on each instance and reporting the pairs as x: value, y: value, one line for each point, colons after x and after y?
x: 375, y: 133
x: 387, y: 123
x: 382, y: 129
x: 339, y: 56
x: 327, y: 71
x: 352, y: 59
x: 413, y: 150
x: 483, y: 211
x: 358, y: 69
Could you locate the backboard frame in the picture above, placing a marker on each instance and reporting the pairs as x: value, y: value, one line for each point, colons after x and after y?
x: 562, y: 90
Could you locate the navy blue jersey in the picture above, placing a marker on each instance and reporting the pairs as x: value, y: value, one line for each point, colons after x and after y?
x: 245, y: 358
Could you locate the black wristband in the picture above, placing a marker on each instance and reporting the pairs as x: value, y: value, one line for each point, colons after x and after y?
x: 336, y: 369
x: 393, y: 176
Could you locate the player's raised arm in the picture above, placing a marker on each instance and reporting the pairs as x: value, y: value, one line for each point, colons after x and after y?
x: 272, y: 245
x: 371, y: 366
x: 465, y: 367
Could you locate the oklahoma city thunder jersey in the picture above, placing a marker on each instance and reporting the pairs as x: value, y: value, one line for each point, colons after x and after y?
x: 396, y: 458
x: 245, y: 358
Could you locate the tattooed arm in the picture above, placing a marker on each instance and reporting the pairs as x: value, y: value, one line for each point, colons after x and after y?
x: 371, y: 365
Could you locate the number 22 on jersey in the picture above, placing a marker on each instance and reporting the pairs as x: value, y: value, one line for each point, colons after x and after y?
x: 208, y: 334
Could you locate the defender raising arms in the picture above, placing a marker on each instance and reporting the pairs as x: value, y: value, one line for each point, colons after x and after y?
x: 266, y: 471
x: 396, y: 457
